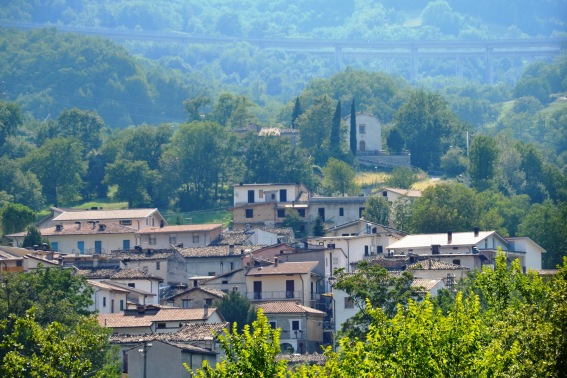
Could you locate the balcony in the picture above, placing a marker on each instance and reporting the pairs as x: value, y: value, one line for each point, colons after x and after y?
x: 274, y: 295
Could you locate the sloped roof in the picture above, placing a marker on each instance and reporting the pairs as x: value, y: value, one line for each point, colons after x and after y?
x: 157, y: 254
x: 84, y: 229
x: 427, y: 240
x: 424, y: 284
x: 232, y: 237
x: 120, y: 320
x: 95, y: 272
x: 134, y: 274
x: 287, y: 307
x: 181, y: 228
x: 404, y: 192
x: 433, y: 264
x: 300, y: 359
x: 283, y: 268
x: 104, y: 214
x: 211, y: 291
x: 215, y: 251
x: 104, y: 285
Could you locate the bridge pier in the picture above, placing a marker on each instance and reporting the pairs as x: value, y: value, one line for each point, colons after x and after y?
x: 459, y: 67
x: 414, y: 74
x: 489, y: 61
x: 339, y: 58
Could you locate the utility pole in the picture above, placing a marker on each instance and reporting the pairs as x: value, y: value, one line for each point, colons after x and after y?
x: 144, y: 351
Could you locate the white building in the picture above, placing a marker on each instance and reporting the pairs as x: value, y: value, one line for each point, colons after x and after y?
x: 368, y: 132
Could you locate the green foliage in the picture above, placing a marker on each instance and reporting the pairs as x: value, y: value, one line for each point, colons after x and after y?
x: 297, y: 111
x: 10, y: 119
x: 237, y: 310
x: 33, y: 238
x: 296, y: 222
x: 59, y: 166
x: 453, y: 162
x: 402, y: 177
x: 395, y: 141
x: 315, y: 126
x: 374, y: 285
x: 132, y: 179
x: 338, y: 177
x: 56, y: 294
x: 426, y: 123
x: 23, y: 186
x: 16, y: 217
x: 483, y: 156
x: 377, y: 209
x: 194, y: 105
x: 251, y: 353
x: 318, y: 227
x: 335, y: 139
x: 29, y: 349
x: 233, y: 111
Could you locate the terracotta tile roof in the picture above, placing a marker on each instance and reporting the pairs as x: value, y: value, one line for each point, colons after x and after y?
x: 287, y: 307
x: 8, y: 256
x: 424, y: 284
x: 189, y: 332
x: 187, y: 347
x: 300, y: 359
x: 211, y: 291
x: 85, y: 229
x: 151, y: 254
x: 104, y: 214
x: 232, y: 237
x: 133, y: 274
x: 433, y: 264
x: 95, y: 273
x: 181, y: 228
x: 146, y: 320
x: 130, y: 289
x: 284, y: 268
x: 215, y: 251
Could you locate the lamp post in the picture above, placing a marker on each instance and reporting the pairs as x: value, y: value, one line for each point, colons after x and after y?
x: 144, y: 351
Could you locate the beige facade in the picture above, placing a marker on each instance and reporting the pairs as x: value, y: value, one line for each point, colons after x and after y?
x: 197, y: 297
x: 193, y: 235
x: 368, y: 132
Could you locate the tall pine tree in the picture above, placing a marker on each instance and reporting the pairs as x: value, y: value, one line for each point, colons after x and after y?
x: 335, y: 142
x: 352, y: 128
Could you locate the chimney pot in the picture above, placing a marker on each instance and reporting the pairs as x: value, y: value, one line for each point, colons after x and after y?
x: 449, y: 237
x: 476, y: 231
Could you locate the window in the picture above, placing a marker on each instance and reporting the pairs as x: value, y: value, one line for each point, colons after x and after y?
x: 289, y: 288
x: 365, y: 250
x: 186, y: 303
x: 225, y: 282
x: 301, y: 212
x: 158, y: 265
x: 249, y: 213
x: 172, y: 239
x: 283, y: 195
x: 126, y: 222
x: 112, y: 306
x: 295, y: 325
x: 195, y: 239
x: 212, y: 273
x: 273, y: 196
x: 209, y: 301
x: 55, y: 246
x: 122, y: 305
x: 19, y: 263
x: 341, y: 212
x: 161, y: 325
x: 231, y: 266
x: 321, y: 212
x: 384, y: 193
x: 152, y: 240
x: 250, y: 196
x: 360, y: 210
x: 362, y: 128
x: 380, y: 249
x: 457, y: 261
x: 274, y: 325
x: 281, y: 213
x: 131, y: 284
x: 103, y: 301
x: 349, y: 302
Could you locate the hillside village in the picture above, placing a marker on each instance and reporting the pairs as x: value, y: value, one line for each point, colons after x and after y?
x: 160, y: 283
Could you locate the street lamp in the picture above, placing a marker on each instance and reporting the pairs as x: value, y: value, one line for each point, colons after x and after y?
x: 144, y: 351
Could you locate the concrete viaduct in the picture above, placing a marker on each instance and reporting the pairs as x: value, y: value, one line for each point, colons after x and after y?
x: 412, y: 50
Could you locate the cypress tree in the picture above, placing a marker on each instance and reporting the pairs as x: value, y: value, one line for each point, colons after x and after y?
x: 352, y: 128
x: 336, y: 132
x: 297, y: 111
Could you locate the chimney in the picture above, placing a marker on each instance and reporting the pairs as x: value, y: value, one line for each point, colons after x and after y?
x: 231, y: 249
x: 475, y: 231
x: 206, y: 312
x: 449, y: 237
x: 276, y: 261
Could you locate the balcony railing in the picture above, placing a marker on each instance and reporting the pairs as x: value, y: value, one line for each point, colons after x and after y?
x: 274, y: 295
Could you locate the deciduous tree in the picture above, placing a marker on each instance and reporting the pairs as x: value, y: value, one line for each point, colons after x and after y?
x: 16, y: 217
x: 338, y: 177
